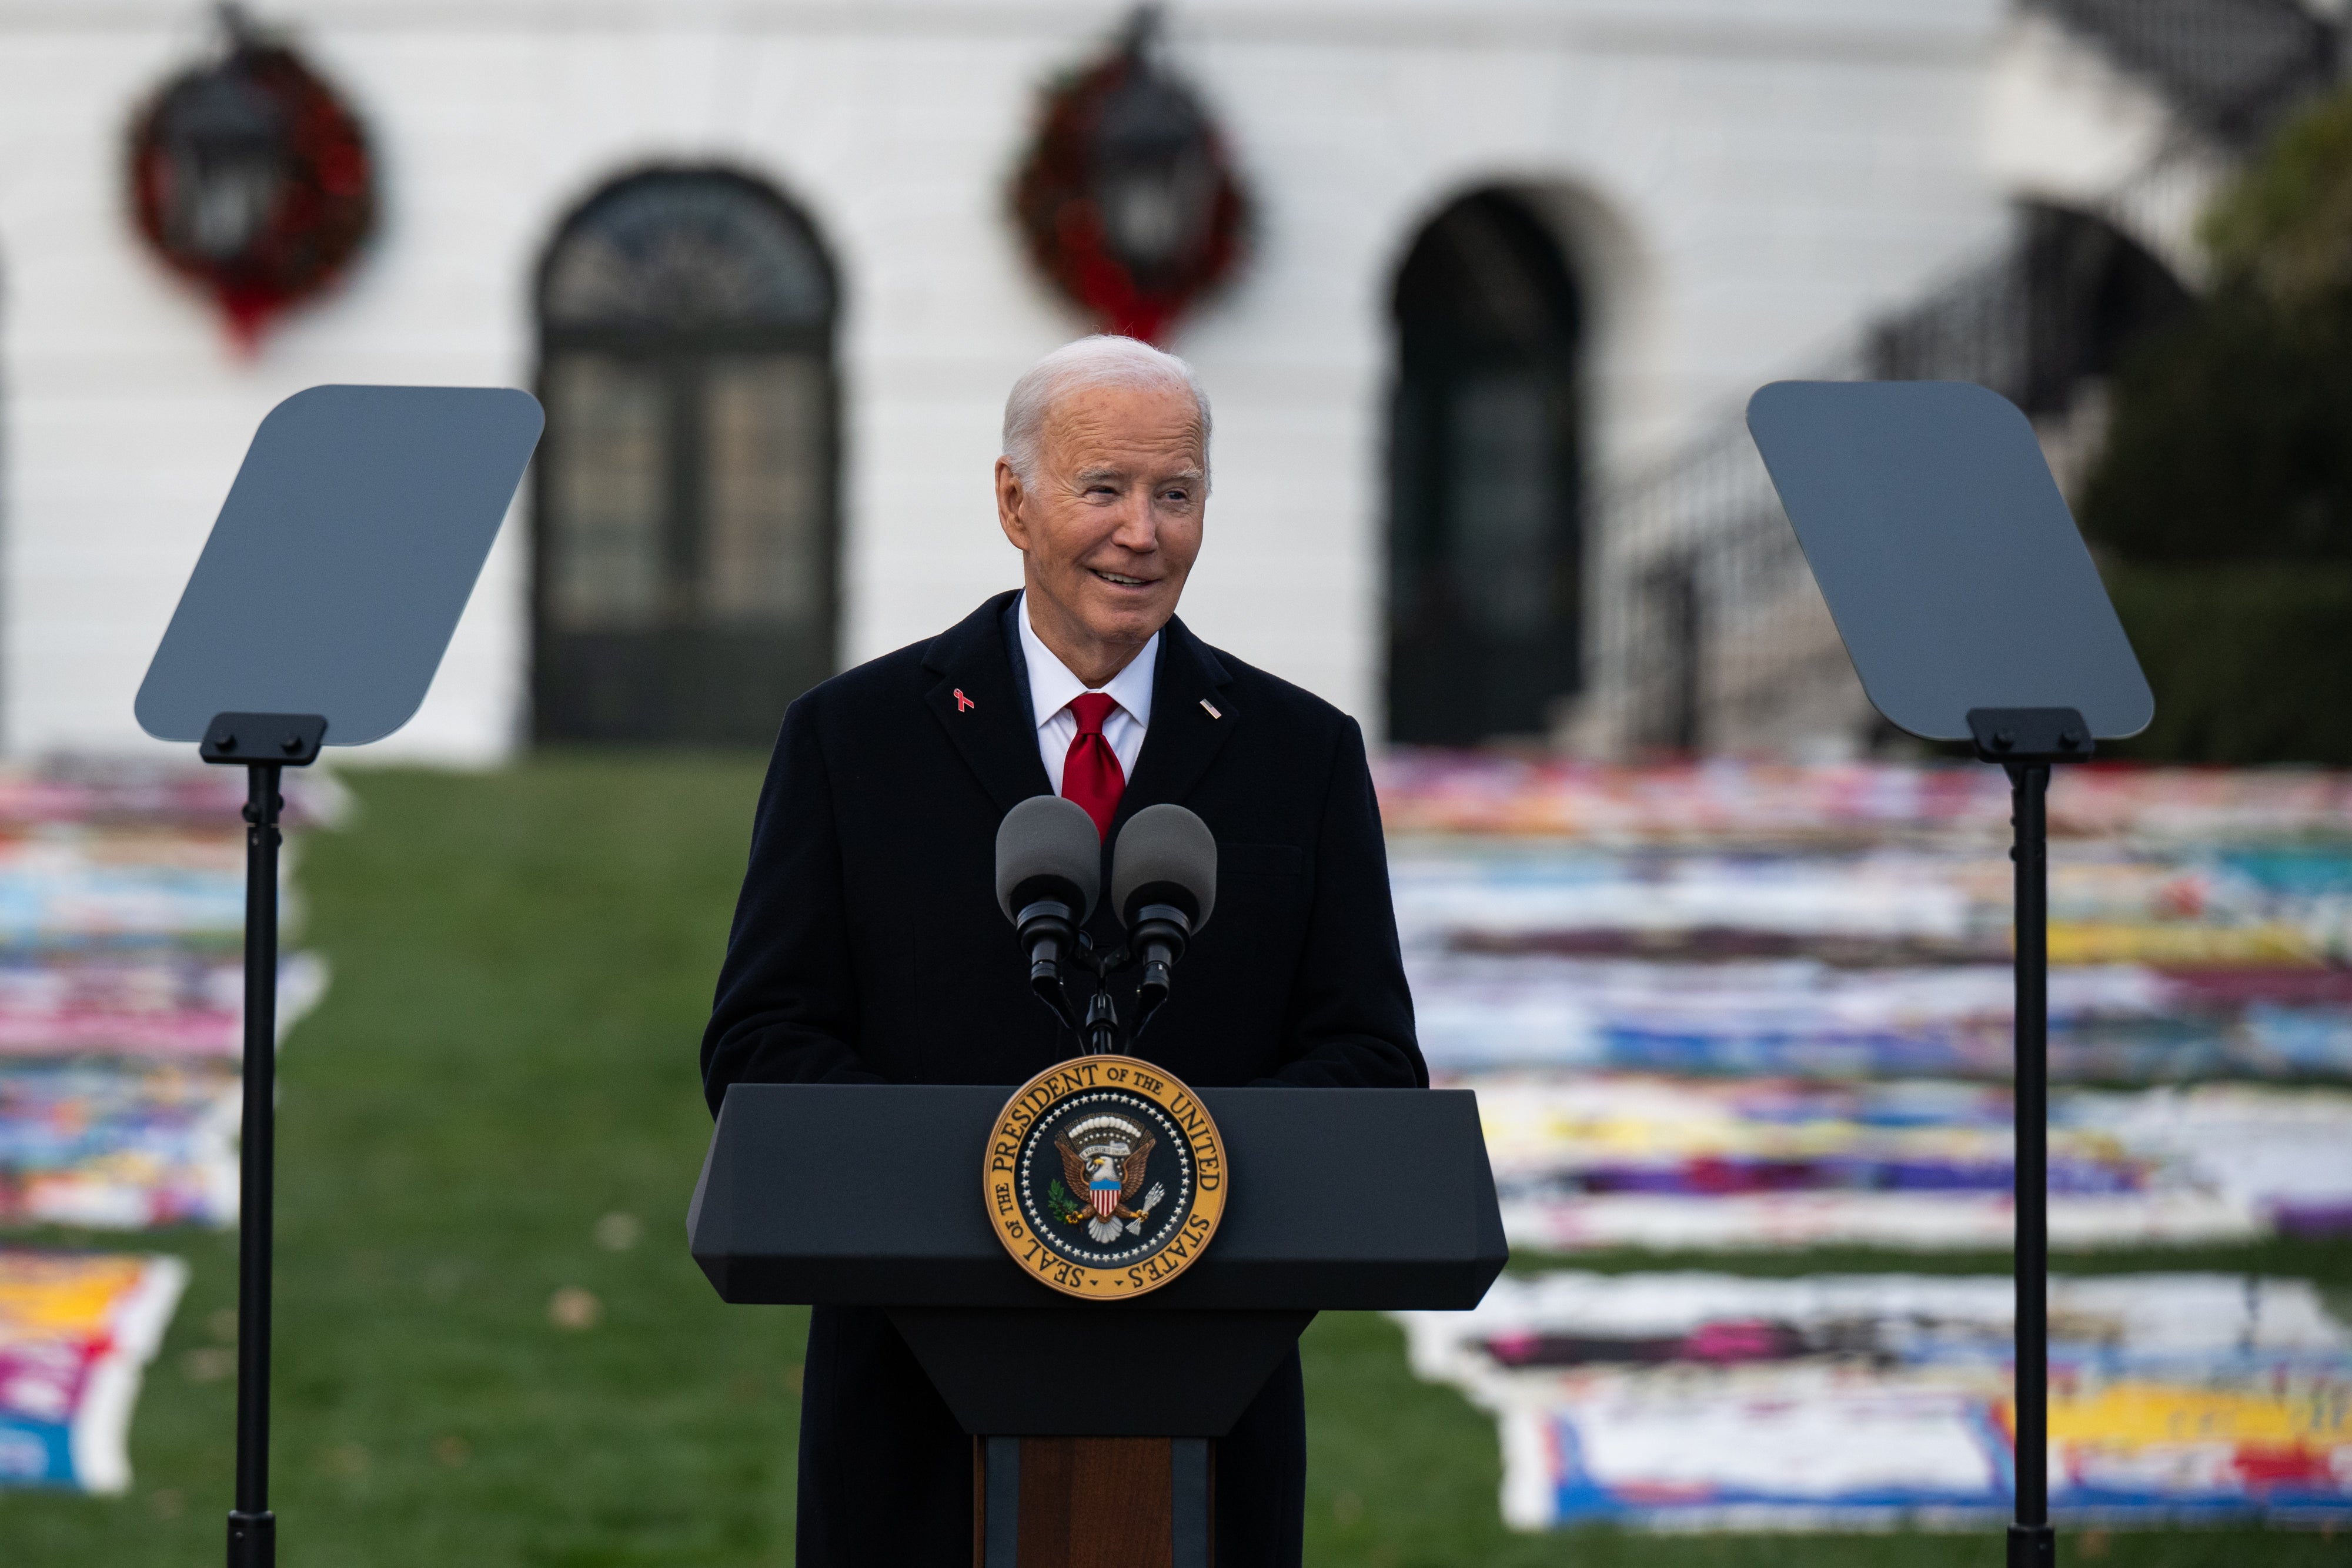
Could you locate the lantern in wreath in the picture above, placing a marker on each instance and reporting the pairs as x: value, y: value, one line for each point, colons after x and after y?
x: 1127, y: 200
x: 250, y: 177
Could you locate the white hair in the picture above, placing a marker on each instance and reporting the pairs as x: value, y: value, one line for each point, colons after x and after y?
x: 1101, y: 361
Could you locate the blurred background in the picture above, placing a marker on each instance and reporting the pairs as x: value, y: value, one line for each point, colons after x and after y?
x: 1479, y: 289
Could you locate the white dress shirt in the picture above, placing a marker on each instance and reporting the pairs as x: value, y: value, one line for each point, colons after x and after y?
x: 1051, y: 687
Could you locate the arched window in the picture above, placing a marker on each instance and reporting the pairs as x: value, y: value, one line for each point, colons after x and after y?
x: 687, y: 517
x: 1483, y: 478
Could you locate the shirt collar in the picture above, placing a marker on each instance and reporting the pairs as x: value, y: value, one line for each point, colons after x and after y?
x: 1051, y: 685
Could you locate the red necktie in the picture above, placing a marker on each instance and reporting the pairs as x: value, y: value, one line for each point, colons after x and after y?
x: 1091, y: 773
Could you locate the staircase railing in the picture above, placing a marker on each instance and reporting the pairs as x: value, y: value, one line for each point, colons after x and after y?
x: 2229, y: 67
x: 1706, y: 630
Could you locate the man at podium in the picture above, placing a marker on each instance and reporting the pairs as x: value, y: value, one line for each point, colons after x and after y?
x: 867, y: 946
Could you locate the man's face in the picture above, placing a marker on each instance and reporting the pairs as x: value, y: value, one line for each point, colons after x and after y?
x: 1111, y: 522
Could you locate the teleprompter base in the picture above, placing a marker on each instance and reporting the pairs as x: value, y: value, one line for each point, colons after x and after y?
x: 252, y: 1540
x: 2033, y: 1546
x: 1093, y: 1502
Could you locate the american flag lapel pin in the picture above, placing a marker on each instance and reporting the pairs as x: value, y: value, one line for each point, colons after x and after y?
x: 1212, y: 708
x: 963, y: 702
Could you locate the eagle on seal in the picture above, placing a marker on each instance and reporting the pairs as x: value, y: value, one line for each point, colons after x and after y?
x: 1105, y: 1169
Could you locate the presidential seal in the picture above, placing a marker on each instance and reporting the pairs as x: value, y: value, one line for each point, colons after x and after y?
x: 1104, y: 1178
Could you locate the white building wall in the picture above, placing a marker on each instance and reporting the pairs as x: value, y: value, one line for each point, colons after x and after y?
x: 1737, y: 182
x: 2072, y: 128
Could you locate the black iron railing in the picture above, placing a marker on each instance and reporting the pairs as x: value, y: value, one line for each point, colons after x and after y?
x: 2230, y: 68
x: 1708, y: 631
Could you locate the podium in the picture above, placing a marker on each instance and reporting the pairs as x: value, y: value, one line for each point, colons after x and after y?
x: 1344, y: 1199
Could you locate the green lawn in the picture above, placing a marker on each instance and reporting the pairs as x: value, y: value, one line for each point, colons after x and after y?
x: 506, y: 1060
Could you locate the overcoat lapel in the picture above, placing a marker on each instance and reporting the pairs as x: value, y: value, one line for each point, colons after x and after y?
x: 983, y: 712
x: 1192, y: 717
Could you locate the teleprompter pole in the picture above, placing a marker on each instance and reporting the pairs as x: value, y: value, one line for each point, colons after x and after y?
x: 2026, y: 742
x: 265, y: 745
x: 252, y: 1528
x: 2032, y: 1543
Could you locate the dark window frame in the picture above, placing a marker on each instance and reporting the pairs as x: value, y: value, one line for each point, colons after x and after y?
x: 1528, y: 320
x: 682, y: 356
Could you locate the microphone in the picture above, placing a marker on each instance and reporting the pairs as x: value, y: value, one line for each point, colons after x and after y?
x: 1163, y: 883
x: 1048, y: 876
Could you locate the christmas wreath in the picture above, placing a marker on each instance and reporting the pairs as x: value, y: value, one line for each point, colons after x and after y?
x: 250, y: 177
x: 1127, y: 200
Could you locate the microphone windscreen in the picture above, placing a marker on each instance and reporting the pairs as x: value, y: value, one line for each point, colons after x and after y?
x: 1164, y: 845
x: 1046, y: 836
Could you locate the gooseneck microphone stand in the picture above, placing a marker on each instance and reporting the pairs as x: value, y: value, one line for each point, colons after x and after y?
x: 2026, y: 742
x: 1159, y: 929
x: 265, y: 745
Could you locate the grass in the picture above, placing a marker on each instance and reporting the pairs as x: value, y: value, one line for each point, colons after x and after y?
x: 506, y: 1059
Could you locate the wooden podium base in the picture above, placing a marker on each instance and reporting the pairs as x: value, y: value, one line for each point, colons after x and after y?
x: 1092, y: 1502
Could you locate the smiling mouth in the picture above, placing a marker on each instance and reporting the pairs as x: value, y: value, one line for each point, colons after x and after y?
x: 1120, y: 578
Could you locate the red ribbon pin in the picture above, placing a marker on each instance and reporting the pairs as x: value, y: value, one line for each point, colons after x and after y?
x: 963, y: 702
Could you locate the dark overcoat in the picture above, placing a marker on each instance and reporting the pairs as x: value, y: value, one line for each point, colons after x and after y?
x: 868, y: 948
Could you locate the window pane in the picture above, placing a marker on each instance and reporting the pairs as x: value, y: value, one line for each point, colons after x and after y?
x: 1484, y: 477
x: 606, y: 457
x: 763, y: 556
x: 1501, y: 501
x: 686, y: 248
